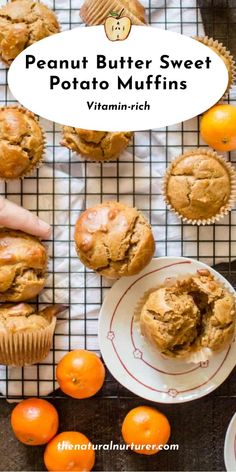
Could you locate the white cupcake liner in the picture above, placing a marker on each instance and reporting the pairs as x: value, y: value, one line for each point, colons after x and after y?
x: 225, y: 209
x: 20, y: 349
x: 223, y: 51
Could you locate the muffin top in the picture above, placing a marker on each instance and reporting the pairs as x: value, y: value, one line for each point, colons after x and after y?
x: 21, y: 142
x: 22, y: 23
x: 95, y: 12
x: 23, y: 264
x: 114, y: 239
x: 198, y: 185
x: 188, y: 315
x: 95, y: 145
x: 22, y: 318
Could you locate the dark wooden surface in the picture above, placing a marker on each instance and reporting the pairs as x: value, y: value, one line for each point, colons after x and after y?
x: 198, y: 427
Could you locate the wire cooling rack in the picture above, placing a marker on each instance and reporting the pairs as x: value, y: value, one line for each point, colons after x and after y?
x: 65, y: 185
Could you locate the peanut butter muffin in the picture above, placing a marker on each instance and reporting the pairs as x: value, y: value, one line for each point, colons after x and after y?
x: 95, y: 12
x: 95, y: 145
x: 191, y: 316
x: 21, y: 142
x: 199, y: 186
x: 114, y: 240
x: 22, y: 23
x: 224, y: 54
x: 25, y: 333
x: 23, y: 265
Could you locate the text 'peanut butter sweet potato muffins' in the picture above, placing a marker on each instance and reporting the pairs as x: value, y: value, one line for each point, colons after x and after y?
x: 199, y: 186
x: 22, y: 23
x: 23, y: 265
x: 189, y: 318
x: 21, y: 142
x: 114, y: 240
x: 25, y: 333
x: 95, y: 12
x: 96, y: 145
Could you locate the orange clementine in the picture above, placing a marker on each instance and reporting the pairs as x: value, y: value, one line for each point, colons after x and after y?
x: 34, y: 421
x: 70, y: 450
x: 145, y: 429
x: 80, y: 374
x: 218, y: 127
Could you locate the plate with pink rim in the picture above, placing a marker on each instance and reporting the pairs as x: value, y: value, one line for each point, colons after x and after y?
x: 230, y: 446
x: 134, y: 362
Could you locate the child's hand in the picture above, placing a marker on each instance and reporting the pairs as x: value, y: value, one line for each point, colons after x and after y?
x: 14, y: 217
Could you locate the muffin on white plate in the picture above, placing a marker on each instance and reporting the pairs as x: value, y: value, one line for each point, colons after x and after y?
x: 189, y: 318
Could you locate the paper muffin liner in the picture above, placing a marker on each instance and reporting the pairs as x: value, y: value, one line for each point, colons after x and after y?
x: 20, y: 349
x: 223, y: 51
x: 197, y: 355
x: 94, y: 12
x: 40, y: 161
x: 232, y: 198
x: 92, y: 160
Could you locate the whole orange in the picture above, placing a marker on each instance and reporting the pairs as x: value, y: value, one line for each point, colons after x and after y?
x: 218, y: 127
x: 146, y: 428
x: 80, y: 374
x: 69, y: 451
x: 34, y: 421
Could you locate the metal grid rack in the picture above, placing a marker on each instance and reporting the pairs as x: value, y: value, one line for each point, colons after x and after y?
x: 65, y: 185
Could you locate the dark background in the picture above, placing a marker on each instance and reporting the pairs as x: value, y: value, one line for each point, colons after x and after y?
x: 198, y: 427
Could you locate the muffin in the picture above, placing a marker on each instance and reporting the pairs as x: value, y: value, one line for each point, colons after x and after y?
x: 21, y: 142
x: 23, y: 265
x: 22, y: 23
x: 95, y: 145
x: 95, y: 12
x: 190, y: 318
x: 114, y: 240
x: 199, y: 186
x: 26, y: 334
x: 224, y: 54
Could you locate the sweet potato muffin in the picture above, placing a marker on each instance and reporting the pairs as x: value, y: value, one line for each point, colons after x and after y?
x: 23, y: 265
x: 95, y: 12
x: 191, y: 314
x: 25, y: 333
x: 200, y: 186
x: 114, y: 240
x: 224, y: 54
x: 22, y: 23
x: 21, y: 142
x: 95, y: 145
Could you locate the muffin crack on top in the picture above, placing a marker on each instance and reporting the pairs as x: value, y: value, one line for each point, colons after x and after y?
x: 96, y: 145
x: 127, y: 249
x: 23, y: 266
x: 22, y: 23
x: 114, y: 239
x: 22, y: 142
x: 200, y: 186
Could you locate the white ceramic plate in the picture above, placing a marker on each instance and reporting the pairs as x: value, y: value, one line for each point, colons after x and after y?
x: 134, y: 362
x: 230, y: 446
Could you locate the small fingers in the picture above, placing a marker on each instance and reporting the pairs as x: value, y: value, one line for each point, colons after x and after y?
x: 15, y: 217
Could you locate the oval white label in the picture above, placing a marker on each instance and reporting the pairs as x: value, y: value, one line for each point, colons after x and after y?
x: 153, y: 78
